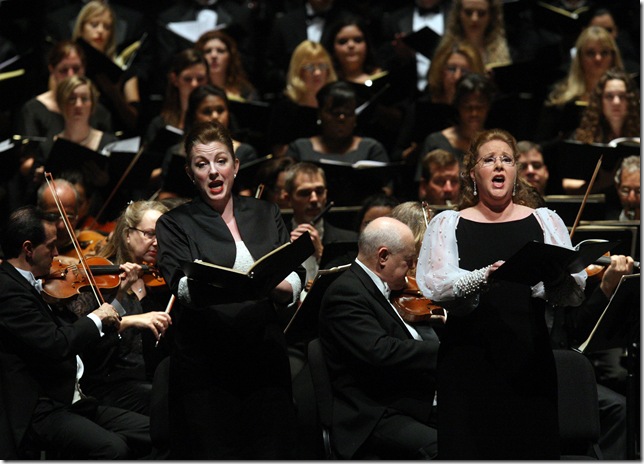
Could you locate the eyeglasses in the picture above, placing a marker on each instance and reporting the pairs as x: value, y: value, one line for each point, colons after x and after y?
x: 55, y: 217
x: 490, y: 161
x: 625, y: 191
x: 146, y: 233
x: 609, y: 96
x: 452, y: 69
x: 312, y: 67
x: 306, y: 193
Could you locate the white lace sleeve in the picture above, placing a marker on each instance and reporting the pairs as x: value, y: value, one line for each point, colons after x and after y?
x: 438, y: 262
x: 555, y: 233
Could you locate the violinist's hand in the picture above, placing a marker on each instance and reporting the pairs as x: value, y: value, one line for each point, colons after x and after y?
x: 131, y: 273
x: 315, y: 238
x: 108, y: 316
x: 155, y: 321
x: 620, y: 265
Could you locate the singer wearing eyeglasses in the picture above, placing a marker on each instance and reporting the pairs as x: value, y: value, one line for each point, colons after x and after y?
x: 497, y: 384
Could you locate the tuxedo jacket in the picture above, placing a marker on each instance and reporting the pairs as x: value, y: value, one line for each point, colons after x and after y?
x: 374, y: 363
x: 402, y: 21
x: 37, y: 354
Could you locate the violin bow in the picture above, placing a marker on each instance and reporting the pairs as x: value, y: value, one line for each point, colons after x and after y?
x: 117, y: 186
x: 167, y: 310
x: 583, y: 202
x: 70, y: 230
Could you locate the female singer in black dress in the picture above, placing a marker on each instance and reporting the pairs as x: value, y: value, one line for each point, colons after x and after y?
x: 497, y: 383
x: 230, y: 385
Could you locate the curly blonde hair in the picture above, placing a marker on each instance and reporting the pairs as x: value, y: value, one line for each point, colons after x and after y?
x: 524, y: 193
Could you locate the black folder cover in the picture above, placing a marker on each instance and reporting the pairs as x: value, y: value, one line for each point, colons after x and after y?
x: 424, y: 41
x: 538, y: 261
x: 261, y: 278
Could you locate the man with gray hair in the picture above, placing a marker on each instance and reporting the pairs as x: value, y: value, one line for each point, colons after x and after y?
x: 627, y: 183
x: 382, y: 371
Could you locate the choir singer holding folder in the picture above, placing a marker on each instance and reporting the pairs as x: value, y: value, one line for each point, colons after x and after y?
x: 497, y: 384
x: 230, y: 384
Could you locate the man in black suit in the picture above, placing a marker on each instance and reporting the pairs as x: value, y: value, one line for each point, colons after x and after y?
x: 305, y: 189
x: 43, y: 408
x: 382, y: 370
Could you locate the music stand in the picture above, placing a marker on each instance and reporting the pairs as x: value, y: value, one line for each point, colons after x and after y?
x: 303, y: 326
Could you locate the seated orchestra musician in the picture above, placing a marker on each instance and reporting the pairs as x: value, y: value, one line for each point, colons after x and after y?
x: 43, y: 406
x: 382, y: 371
x: 120, y: 368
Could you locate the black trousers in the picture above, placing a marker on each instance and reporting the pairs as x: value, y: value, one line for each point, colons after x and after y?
x: 86, y: 430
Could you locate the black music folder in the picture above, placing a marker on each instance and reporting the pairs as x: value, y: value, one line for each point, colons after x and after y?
x: 350, y: 183
x: 619, y: 322
x: 537, y: 261
x: 176, y: 180
x: 66, y: 155
x: 576, y: 160
x: 303, y: 326
x: 261, y: 278
x: 424, y: 41
x: 99, y: 63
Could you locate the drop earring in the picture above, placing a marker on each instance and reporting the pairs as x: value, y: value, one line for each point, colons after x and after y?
x: 475, y: 192
x: 514, y: 189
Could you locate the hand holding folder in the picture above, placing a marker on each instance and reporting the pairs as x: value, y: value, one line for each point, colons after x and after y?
x: 261, y: 278
x: 540, y: 262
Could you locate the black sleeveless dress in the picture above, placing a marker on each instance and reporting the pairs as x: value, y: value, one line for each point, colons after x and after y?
x: 497, y: 383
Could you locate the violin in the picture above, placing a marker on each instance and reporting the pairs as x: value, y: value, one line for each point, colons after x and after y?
x: 90, y: 242
x: 413, y: 307
x: 65, y: 281
x: 152, y: 278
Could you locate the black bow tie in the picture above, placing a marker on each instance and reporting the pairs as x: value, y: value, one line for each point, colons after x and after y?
x: 320, y: 14
x: 425, y: 11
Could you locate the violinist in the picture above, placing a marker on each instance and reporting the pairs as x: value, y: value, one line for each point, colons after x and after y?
x: 382, y: 372
x: 39, y: 350
x: 570, y: 326
x: 119, y: 370
x: 68, y: 196
x: 417, y: 216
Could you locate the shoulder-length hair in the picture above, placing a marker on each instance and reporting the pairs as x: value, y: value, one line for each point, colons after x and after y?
x: 65, y: 88
x: 306, y: 52
x: 439, y: 61
x: 94, y: 8
x: 594, y: 127
x: 370, y: 65
x: 523, y: 193
x: 117, y: 247
x: 496, y: 45
x: 236, y: 77
x: 183, y: 60
x: 573, y: 86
